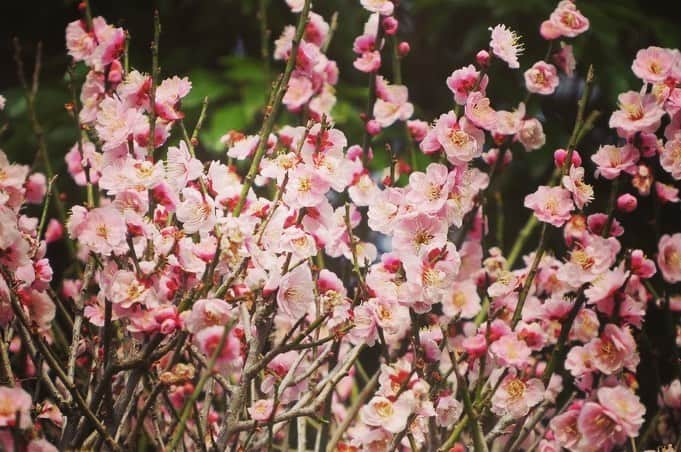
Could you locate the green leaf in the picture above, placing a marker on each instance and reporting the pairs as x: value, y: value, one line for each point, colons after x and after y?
x: 206, y: 84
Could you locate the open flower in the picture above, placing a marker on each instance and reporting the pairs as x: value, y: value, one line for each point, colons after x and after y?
x: 541, y: 78
x: 389, y: 415
x: 551, y: 205
x: 506, y: 45
x: 669, y: 257
x: 515, y: 396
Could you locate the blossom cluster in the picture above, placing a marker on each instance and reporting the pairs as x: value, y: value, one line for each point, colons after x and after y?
x: 210, y: 307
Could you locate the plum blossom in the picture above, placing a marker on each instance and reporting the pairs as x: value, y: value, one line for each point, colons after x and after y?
x: 515, y: 397
x: 505, y: 44
x: 389, y: 415
x: 612, y: 160
x: 541, y: 78
x: 566, y: 20
x: 653, y: 65
x: 551, y: 205
x: 669, y: 257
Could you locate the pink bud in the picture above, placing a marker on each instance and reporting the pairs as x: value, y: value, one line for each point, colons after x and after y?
x: 115, y: 72
x: 54, y: 231
x: 561, y: 154
x: 390, y: 25
x: 627, y: 203
x: 559, y: 157
x: 36, y: 187
x: 373, y: 127
x: 403, y: 48
x: 482, y: 57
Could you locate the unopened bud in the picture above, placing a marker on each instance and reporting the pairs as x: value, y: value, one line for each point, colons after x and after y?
x: 627, y: 203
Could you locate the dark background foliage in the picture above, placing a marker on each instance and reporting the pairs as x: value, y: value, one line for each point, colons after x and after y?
x: 217, y: 44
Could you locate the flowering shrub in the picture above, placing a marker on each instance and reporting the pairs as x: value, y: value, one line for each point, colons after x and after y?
x: 238, y: 303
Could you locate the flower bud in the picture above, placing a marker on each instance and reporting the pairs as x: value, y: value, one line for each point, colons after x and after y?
x: 403, y: 48
x: 482, y: 57
x: 373, y: 127
x: 627, y: 203
x: 390, y: 25
x: 561, y: 154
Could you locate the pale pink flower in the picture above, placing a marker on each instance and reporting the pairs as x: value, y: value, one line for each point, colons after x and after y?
x: 116, y: 122
x: 261, y: 410
x: 384, y: 413
x: 531, y: 134
x: 15, y: 403
x: 383, y: 7
x: 461, y: 299
x: 612, y: 160
x: 79, y: 42
x: 671, y: 394
x: 306, y: 187
x: 368, y: 61
x: 565, y: 20
x: 40, y: 445
x: 295, y: 296
x: 417, y: 234
x: 509, y: 123
x: 196, y: 212
x: 653, y: 65
x: 541, y: 78
x: 666, y: 193
x: 54, y: 231
x: 461, y: 140
x: 363, y: 191
x: 551, y: 205
x: 243, y: 146
x: 506, y: 45
x: 207, y: 312
x: 36, y: 187
x: 670, y: 158
x: 383, y: 212
x: 637, y: 113
x: 618, y: 415
x: 298, y: 92
x: 168, y: 95
x: 515, y: 397
x: 181, y: 167
x: 479, y: 111
x: 669, y: 257
x: 448, y: 411
x: 429, y: 191
x: 582, y: 193
x: 564, y: 426
x: 101, y: 230
x: 510, y: 351
x: 208, y: 340
x: 462, y: 81
x: 393, y: 105
x: 613, y: 350
x: 295, y: 5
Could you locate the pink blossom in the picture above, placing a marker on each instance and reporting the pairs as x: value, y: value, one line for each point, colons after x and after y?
x: 101, y: 230
x: 637, y: 113
x: 306, y: 188
x: 565, y: 20
x: 506, y: 45
x: 462, y: 81
x: 461, y: 140
x: 565, y: 59
x: 653, y: 65
x: 207, y: 312
x: 613, y: 160
x: 418, y: 234
x: 384, y: 413
x: 168, y: 94
x: 54, y: 231
x: 582, y: 193
x: 448, y: 411
x: 515, y: 397
x: 208, y: 341
x: 393, y: 105
x: 670, y: 157
x: 298, y: 92
x: 461, y: 299
x: 429, y: 191
x: 618, y: 415
x: 196, y: 212
x: 15, y: 403
x: 36, y: 187
x: 479, y: 111
x: 510, y: 351
x: 368, y: 61
x: 551, y: 205
x: 541, y: 78
x: 531, y: 134
x: 613, y: 350
x: 666, y: 193
x: 295, y: 296
x: 261, y: 410
x: 564, y: 427
x: 671, y: 394
x: 383, y: 7
x: 116, y: 123
x: 669, y: 257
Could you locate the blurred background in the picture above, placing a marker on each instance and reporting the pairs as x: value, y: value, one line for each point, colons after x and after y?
x: 217, y: 44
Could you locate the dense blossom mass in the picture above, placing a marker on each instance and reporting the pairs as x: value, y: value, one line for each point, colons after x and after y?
x: 292, y: 291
